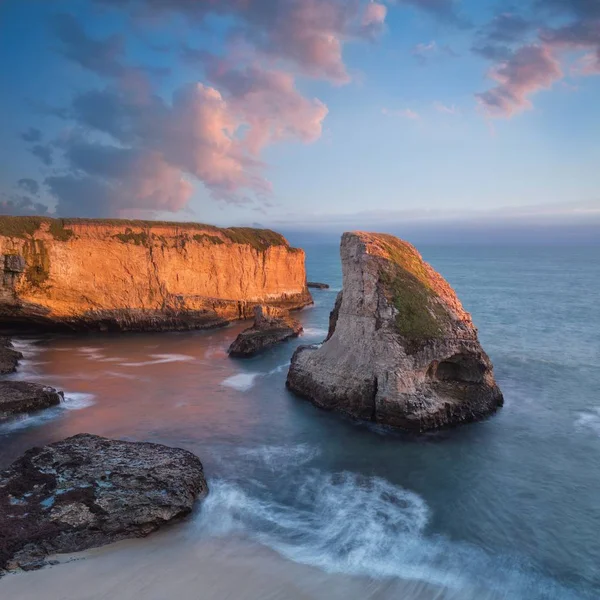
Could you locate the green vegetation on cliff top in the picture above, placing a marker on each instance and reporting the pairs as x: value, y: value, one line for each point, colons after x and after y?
x: 420, y: 316
x: 25, y: 227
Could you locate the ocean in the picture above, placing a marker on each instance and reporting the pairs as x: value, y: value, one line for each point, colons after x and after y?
x: 306, y: 504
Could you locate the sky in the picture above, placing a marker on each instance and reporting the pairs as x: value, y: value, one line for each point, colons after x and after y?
x: 303, y: 114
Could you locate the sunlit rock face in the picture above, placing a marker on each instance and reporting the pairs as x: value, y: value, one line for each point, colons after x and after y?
x: 401, y: 350
x: 142, y: 275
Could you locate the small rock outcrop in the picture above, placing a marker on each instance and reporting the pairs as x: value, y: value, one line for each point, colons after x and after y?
x: 271, y: 326
x: 9, y: 357
x: 20, y: 397
x: 87, y: 491
x: 401, y: 350
x: 317, y: 286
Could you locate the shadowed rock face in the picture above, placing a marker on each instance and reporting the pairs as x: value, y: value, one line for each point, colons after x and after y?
x: 9, y: 357
x: 87, y: 491
x: 142, y: 275
x: 401, y: 350
x: 271, y: 326
x: 21, y: 397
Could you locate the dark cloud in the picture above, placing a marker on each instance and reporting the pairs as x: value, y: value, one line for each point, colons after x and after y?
x: 31, y: 186
x: 21, y: 205
x: 31, y: 135
x: 99, y: 56
x: 497, y: 39
x: 585, y: 9
x: 44, y: 153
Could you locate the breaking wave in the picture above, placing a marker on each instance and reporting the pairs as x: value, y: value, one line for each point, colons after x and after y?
x: 158, y: 359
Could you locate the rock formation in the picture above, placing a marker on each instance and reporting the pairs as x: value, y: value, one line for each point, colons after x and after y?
x: 401, y: 349
x: 21, y: 397
x: 142, y: 275
x: 87, y: 491
x: 318, y: 286
x: 271, y: 326
x: 9, y: 357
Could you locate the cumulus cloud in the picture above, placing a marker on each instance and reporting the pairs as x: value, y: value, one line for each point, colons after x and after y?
x: 530, y: 69
x: 528, y: 52
x: 151, y: 148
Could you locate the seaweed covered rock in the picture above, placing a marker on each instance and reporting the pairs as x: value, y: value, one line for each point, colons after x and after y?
x: 22, y: 397
x: 87, y: 491
x: 401, y: 350
x: 271, y: 326
x: 9, y: 357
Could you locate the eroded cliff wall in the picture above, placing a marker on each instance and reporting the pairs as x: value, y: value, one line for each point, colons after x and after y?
x: 128, y: 275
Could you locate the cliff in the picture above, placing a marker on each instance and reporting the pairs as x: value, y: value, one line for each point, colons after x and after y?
x: 142, y: 275
x: 401, y: 350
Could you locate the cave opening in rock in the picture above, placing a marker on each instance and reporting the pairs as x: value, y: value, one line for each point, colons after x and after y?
x: 460, y: 367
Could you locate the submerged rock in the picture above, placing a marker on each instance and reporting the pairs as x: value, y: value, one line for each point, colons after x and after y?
x: 21, y: 397
x: 86, y: 491
x: 9, y: 357
x: 318, y: 286
x: 401, y: 350
x: 271, y: 326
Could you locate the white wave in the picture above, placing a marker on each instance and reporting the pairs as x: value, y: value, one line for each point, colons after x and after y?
x: 315, y: 332
x: 280, y: 456
x: 77, y: 400
x: 241, y: 382
x: 589, y: 420
x: 158, y: 359
x: 27, y: 348
x: 363, y: 526
x: 279, y: 368
x: 71, y: 401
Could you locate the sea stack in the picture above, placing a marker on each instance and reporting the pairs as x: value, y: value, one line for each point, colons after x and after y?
x: 401, y: 350
x: 271, y: 327
x: 111, y: 274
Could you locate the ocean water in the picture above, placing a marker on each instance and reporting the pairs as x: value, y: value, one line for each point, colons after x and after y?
x: 307, y: 504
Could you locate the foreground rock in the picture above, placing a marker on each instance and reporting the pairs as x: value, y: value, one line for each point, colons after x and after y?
x: 110, y: 274
x: 9, y: 357
x: 22, y: 397
x: 401, y: 350
x: 87, y: 491
x: 271, y: 326
x: 317, y: 286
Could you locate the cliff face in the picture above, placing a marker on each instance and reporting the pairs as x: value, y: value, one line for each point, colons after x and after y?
x: 141, y: 275
x: 401, y: 350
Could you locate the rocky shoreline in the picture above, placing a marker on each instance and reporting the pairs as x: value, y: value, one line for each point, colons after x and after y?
x: 87, y: 491
x: 9, y: 357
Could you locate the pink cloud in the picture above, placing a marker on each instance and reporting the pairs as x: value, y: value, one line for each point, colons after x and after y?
x: 580, y: 35
x: 530, y: 69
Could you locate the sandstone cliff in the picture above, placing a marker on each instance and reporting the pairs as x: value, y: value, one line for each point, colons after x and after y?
x: 142, y: 275
x: 401, y: 349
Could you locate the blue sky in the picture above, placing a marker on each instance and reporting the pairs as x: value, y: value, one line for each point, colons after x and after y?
x: 301, y: 112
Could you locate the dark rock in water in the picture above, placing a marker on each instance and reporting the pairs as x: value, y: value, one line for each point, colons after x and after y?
x: 88, y: 491
x: 271, y: 326
x: 21, y: 397
x: 9, y: 357
x: 401, y: 350
x: 318, y: 286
